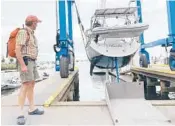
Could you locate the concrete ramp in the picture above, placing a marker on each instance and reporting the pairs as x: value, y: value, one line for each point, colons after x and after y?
x: 127, y: 105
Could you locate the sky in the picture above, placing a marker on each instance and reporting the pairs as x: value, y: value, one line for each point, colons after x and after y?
x: 14, y: 12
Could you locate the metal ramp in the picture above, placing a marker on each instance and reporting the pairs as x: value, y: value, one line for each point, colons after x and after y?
x: 127, y: 105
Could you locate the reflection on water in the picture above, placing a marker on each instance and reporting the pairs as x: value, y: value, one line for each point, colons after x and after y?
x: 91, y: 87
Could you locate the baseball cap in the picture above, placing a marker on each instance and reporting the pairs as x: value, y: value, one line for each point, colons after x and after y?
x: 33, y: 19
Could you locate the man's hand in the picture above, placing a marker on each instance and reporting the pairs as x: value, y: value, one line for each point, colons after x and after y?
x: 24, y: 68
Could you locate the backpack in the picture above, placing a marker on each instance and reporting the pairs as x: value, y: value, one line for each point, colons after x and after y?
x: 11, y: 44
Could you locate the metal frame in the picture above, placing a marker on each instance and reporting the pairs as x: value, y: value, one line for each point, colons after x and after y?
x: 169, y: 41
x: 65, y: 40
x: 153, y: 78
x: 139, y: 12
x: 151, y: 73
x: 142, y: 50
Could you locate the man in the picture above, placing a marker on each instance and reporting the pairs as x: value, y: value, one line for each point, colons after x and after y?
x: 26, y: 53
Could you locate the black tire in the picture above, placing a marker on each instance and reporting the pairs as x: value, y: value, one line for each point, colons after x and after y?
x: 72, y: 60
x: 64, y: 67
x: 76, y: 89
x: 134, y: 77
x: 171, y: 58
x: 143, y: 61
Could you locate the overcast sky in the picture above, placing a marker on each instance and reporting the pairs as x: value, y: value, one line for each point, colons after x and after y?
x: 14, y: 13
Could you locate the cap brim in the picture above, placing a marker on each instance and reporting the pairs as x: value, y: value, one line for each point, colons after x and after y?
x: 39, y: 21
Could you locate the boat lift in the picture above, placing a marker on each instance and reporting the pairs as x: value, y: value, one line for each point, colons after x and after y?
x: 156, y: 77
x: 165, y: 42
x: 64, y: 47
x: 64, y: 43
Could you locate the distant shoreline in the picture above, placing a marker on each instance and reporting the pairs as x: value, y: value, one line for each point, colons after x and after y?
x: 5, y: 67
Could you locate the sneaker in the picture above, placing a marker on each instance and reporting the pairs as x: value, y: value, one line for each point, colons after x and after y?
x: 21, y: 120
x: 36, y: 112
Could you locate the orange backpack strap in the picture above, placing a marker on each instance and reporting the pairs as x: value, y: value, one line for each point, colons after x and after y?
x: 28, y: 35
x: 28, y: 38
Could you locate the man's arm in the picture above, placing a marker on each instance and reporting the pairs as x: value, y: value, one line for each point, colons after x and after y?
x: 19, y: 56
x: 20, y: 42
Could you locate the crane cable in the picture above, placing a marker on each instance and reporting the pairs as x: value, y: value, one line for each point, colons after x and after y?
x: 81, y: 30
x: 80, y: 23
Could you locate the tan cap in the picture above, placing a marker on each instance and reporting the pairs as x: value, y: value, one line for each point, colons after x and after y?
x: 32, y: 18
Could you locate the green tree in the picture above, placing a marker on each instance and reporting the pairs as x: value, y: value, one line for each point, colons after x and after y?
x: 11, y: 60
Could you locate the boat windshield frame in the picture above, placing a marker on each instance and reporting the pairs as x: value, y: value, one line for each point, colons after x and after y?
x: 113, y: 12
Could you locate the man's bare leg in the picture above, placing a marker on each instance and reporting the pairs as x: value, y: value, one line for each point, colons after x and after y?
x: 22, y: 97
x: 30, y: 96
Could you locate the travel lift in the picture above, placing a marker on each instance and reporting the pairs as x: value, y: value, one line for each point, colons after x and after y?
x: 125, y: 100
x: 64, y: 47
x: 165, y: 42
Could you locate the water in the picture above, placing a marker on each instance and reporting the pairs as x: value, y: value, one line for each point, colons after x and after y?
x: 91, y: 87
x: 11, y: 79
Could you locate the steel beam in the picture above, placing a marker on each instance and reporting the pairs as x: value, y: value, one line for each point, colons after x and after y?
x: 62, y: 20
x: 164, y: 76
x: 171, y: 19
x: 69, y: 3
x: 139, y: 12
x: 155, y: 43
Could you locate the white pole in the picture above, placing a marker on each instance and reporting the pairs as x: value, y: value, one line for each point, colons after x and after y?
x: 103, y: 4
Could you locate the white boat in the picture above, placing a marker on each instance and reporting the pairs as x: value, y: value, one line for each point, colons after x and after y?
x: 106, y: 43
x: 10, y: 84
x: 125, y: 31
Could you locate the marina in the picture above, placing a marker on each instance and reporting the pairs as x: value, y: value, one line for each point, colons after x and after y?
x: 117, y: 83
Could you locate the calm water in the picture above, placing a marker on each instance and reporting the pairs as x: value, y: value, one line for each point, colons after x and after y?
x: 91, y: 87
x: 8, y: 76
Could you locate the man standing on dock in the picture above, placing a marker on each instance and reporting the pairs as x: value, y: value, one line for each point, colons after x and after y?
x: 26, y: 54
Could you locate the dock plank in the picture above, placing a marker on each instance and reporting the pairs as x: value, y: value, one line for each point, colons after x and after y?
x: 43, y: 91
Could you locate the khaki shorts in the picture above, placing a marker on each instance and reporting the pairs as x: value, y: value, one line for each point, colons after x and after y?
x: 31, y: 74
